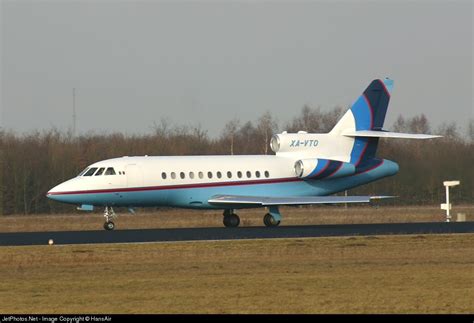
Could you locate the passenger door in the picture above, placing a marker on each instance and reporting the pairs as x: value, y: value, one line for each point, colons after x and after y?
x: 134, y: 175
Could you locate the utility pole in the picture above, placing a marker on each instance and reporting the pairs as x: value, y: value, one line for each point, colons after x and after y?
x: 74, y: 112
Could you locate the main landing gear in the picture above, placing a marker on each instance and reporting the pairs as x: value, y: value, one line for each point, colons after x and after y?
x: 270, y: 221
x: 231, y: 220
x: 273, y: 217
x: 108, y: 215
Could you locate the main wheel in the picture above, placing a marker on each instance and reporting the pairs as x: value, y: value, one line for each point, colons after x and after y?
x: 270, y: 221
x: 231, y: 221
x: 109, y: 226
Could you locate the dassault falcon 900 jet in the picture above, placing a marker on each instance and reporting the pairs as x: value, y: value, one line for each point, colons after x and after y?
x: 306, y: 169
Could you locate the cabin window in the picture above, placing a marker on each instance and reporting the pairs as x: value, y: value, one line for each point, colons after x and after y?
x: 219, y: 174
x: 110, y: 171
x: 249, y: 174
x: 267, y: 174
x: 83, y: 172
x: 163, y: 175
x: 182, y: 175
x: 173, y: 175
x: 209, y: 174
x: 229, y: 174
x: 191, y: 175
x: 239, y: 174
x: 91, y: 171
x: 201, y: 175
x: 100, y: 171
x: 257, y: 174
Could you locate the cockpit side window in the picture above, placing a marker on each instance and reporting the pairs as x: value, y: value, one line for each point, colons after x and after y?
x: 100, y: 171
x: 110, y: 171
x: 91, y: 171
x: 83, y: 172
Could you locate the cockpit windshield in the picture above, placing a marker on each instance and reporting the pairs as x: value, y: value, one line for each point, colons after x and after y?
x: 100, y: 171
x: 91, y: 171
x: 83, y: 172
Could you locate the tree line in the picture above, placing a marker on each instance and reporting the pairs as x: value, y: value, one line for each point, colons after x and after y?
x: 31, y: 164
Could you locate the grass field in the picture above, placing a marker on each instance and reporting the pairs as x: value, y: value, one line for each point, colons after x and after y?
x: 178, y: 218
x: 384, y: 274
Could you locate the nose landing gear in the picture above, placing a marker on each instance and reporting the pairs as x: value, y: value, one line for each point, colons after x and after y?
x: 109, y: 226
x: 108, y: 215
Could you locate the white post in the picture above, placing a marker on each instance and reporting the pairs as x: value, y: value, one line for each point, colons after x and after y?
x: 345, y: 204
x: 447, y: 206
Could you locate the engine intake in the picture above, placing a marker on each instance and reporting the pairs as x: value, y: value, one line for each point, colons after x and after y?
x: 291, y: 142
x: 317, y: 168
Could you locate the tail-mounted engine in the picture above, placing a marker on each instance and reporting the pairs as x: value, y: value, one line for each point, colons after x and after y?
x: 322, y: 168
x: 294, y: 142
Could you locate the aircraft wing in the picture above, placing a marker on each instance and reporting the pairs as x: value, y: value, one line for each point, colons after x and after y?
x: 239, y: 200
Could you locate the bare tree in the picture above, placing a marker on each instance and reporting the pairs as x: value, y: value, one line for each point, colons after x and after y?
x: 266, y: 127
x: 419, y: 124
x: 230, y: 131
x: 449, y: 130
x: 30, y: 164
x: 400, y: 125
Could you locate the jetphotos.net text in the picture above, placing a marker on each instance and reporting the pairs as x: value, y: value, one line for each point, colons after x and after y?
x: 55, y: 319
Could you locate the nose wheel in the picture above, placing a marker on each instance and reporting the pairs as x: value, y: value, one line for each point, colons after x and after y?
x: 109, y: 214
x: 109, y: 226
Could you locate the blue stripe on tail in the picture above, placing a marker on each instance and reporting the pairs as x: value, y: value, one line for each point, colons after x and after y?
x: 369, y: 112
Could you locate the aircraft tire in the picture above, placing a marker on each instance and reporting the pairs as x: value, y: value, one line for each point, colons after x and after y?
x: 231, y: 221
x: 109, y: 226
x: 270, y: 221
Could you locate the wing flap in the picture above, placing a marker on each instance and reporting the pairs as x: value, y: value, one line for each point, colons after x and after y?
x: 226, y: 200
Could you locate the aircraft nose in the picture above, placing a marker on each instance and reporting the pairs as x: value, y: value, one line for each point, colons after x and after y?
x: 53, y: 193
x: 57, y: 192
x: 65, y: 192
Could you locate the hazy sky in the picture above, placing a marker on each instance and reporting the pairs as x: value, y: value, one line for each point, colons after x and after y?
x: 195, y: 62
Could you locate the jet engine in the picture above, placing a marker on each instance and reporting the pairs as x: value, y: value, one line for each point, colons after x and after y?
x: 291, y: 142
x: 317, y: 168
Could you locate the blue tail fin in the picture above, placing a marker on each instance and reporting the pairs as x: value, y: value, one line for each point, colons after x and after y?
x: 370, y: 108
x: 369, y: 112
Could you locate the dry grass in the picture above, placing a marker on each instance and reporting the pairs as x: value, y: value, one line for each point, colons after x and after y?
x: 386, y: 274
x: 253, y: 217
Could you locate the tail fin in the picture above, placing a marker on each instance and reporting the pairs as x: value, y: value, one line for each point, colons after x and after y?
x: 366, y: 113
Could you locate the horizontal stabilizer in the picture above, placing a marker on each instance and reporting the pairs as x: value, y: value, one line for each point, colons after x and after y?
x: 238, y: 200
x: 387, y: 134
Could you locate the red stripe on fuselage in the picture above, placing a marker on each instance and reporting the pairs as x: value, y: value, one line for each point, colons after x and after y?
x: 322, y: 170
x: 362, y: 153
x: 385, y: 88
x: 183, y: 186
x: 371, y: 112
x: 371, y: 168
x: 335, y: 171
